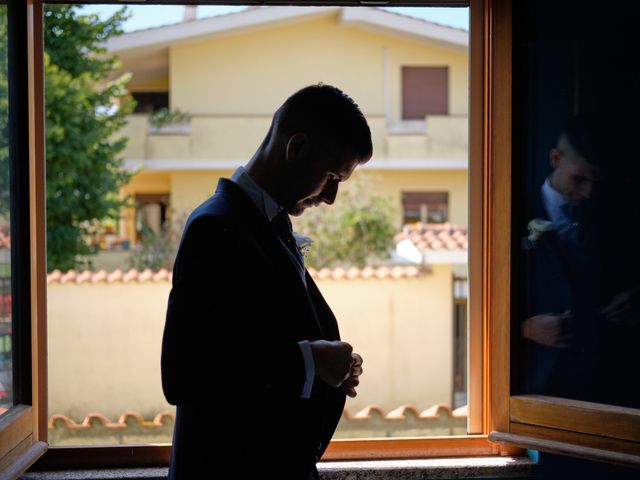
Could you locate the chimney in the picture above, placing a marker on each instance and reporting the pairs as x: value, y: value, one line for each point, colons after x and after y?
x: 189, y: 13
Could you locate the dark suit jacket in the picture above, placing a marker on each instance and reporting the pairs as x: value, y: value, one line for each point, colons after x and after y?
x: 560, y: 276
x: 230, y: 355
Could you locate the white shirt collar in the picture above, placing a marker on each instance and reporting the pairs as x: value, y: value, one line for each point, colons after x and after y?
x: 267, y: 205
x: 553, y: 202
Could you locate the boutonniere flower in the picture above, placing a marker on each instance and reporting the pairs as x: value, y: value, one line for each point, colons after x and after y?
x: 303, y: 242
x: 537, y: 228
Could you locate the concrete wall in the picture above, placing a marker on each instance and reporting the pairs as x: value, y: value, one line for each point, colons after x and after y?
x: 104, y: 343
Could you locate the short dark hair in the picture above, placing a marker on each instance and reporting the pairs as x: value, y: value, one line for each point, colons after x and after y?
x: 329, y: 117
x: 589, y: 137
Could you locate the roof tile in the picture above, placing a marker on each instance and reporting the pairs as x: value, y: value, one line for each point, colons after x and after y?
x: 435, y: 236
x: 164, y: 275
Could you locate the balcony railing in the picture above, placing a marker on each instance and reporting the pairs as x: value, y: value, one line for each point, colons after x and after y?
x: 438, y: 140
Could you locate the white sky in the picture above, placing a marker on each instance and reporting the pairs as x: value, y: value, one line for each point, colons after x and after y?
x: 145, y: 16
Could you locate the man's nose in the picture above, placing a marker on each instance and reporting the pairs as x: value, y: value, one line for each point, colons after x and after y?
x: 329, y: 192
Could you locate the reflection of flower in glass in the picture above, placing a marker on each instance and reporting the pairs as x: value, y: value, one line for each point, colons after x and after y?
x: 303, y: 242
x: 537, y: 228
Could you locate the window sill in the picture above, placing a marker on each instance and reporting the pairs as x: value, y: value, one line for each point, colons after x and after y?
x: 479, y: 467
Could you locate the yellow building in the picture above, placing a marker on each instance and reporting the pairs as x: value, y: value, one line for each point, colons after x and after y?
x: 231, y: 72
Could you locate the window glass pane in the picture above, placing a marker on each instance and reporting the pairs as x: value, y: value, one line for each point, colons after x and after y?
x: 575, y: 176
x: 6, y: 370
x: 390, y: 257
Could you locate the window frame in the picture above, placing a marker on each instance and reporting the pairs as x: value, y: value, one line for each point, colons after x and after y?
x: 489, y: 193
x: 23, y: 427
x: 424, y: 198
x: 579, y: 429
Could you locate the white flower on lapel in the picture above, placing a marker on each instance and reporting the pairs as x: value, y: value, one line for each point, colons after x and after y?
x: 537, y: 228
x: 303, y: 242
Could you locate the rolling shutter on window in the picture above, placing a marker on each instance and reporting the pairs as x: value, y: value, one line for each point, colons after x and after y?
x: 424, y: 92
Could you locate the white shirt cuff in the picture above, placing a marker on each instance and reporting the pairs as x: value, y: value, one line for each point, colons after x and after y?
x: 309, y: 368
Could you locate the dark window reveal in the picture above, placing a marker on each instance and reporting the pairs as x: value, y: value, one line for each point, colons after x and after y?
x: 148, y: 102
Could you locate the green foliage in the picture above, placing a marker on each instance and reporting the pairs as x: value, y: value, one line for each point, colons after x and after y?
x: 165, y: 116
x: 85, y: 109
x: 356, y: 231
x: 155, y: 251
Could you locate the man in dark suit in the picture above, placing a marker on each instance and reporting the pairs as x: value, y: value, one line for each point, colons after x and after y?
x: 563, y: 255
x: 251, y: 353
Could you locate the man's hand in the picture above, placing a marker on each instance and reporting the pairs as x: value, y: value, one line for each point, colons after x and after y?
x: 548, y: 329
x: 333, y: 361
x: 352, y: 381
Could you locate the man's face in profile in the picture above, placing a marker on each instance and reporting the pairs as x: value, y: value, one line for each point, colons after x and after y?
x: 573, y: 176
x: 315, y: 179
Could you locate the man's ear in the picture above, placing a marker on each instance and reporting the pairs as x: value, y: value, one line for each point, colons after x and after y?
x: 555, y: 157
x: 297, y: 147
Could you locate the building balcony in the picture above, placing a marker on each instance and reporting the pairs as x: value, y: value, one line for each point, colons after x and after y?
x: 224, y: 142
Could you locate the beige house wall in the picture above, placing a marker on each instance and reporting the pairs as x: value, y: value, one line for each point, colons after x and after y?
x: 228, y: 138
x: 190, y: 188
x: 232, y: 83
x: 392, y: 183
x: 104, y: 343
x: 251, y: 73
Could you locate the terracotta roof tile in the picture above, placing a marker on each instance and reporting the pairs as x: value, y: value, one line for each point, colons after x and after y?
x: 435, y: 236
x: 371, y: 421
x: 97, y: 419
x: 434, y: 411
x: 461, y: 412
x: 367, y: 413
x: 165, y: 275
x: 130, y: 276
x: 401, y: 413
x: 115, y: 276
x: 70, y: 276
x: 365, y: 273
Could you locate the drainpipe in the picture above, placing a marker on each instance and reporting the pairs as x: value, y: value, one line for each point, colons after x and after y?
x: 386, y: 85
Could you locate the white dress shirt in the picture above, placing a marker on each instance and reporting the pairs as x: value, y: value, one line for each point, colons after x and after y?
x: 270, y: 208
x: 554, y: 203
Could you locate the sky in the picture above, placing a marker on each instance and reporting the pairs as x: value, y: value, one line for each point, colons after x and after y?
x: 146, y: 16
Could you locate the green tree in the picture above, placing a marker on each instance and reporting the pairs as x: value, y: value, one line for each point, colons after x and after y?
x: 85, y: 108
x: 356, y: 231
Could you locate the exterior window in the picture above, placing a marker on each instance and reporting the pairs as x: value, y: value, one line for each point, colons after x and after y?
x: 460, y: 295
x: 425, y: 91
x: 425, y: 207
x: 149, y: 102
x: 532, y: 421
x: 22, y: 391
x: 151, y: 212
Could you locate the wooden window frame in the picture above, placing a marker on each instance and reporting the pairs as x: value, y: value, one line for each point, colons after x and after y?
x: 568, y: 427
x: 514, y: 420
x: 23, y: 427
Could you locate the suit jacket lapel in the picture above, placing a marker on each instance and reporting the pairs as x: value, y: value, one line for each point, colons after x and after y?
x: 258, y: 228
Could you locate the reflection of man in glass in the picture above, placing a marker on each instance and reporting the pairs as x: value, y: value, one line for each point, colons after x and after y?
x: 564, y: 267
